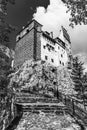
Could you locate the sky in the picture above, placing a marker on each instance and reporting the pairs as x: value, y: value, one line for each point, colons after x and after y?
x: 52, y: 15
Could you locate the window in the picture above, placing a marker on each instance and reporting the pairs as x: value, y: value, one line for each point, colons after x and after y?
x: 63, y: 64
x: 27, y: 30
x: 53, y: 48
x: 52, y: 60
x: 61, y: 55
x: 46, y: 57
x: 60, y: 62
x: 44, y: 47
x: 48, y: 48
x: 58, y: 47
x: 19, y: 38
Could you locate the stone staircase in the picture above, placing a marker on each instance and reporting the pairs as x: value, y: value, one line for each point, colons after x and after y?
x: 28, y: 98
x: 38, y: 103
x: 45, y: 108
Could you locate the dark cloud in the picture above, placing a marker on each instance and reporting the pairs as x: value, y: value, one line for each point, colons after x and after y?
x: 22, y: 12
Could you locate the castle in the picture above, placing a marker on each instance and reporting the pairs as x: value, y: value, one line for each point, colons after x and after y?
x: 33, y: 43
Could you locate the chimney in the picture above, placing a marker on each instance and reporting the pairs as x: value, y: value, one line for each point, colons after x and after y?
x: 51, y: 34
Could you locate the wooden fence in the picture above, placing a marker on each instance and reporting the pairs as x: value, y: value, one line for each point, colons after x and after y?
x: 76, y: 108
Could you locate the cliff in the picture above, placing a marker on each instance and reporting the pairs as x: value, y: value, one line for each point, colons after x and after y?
x: 42, y: 78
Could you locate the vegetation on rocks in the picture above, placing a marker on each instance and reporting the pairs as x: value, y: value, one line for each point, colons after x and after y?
x: 41, y: 77
x: 78, y: 11
x: 5, y: 96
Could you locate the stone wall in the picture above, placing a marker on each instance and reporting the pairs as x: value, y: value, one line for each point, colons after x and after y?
x: 28, y: 46
x: 24, y: 49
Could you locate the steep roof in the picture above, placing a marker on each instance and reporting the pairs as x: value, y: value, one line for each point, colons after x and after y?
x: 66, y: 35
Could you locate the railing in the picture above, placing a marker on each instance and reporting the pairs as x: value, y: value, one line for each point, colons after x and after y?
x: 75, y: 107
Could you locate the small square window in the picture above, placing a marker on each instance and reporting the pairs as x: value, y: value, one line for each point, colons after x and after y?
x: 53, y: 48
x: 61, y: 55
x: 58, y: 47
x: 19, y: 38
x: 52, y: 60
x: 44, y: 47
x: 63, y: 64
x: 49, y: 49
x: 27, y: 30
x: 46, y: 57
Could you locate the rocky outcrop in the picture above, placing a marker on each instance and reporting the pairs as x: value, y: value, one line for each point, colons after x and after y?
x: 41, y: 77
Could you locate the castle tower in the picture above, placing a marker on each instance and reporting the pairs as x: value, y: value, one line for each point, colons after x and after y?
x: 28, y: 44
x: 34, y: 44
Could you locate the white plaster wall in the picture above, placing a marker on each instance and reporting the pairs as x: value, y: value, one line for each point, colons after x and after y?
x: 56, y: 54
x: 45, y: 52
x: 61, y: 36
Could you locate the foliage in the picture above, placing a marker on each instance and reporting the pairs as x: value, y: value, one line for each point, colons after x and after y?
x: 78, y: 10
x: 5, y: 96
x: 41, y: 77
x: 77, y: 74
x: 4, y: 69
x: 5, y: 64
x: 65, y: 83
x: 84, y: 80
x: 5, y: 28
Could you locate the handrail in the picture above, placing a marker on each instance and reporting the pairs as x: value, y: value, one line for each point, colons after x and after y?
x: 73, y: 106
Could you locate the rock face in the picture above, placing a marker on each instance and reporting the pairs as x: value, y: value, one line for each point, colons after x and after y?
x: 42, y: 78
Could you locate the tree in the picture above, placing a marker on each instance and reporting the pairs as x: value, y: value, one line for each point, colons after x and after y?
x: 65, y: 82
x: 77, y: 75
x: 5, y: 66
x: 5, y: 28
x: 78, y: 10
x: 5, y: 62
x: 84, y: 80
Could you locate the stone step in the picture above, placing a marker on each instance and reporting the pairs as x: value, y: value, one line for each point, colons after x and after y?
x: 33, y: 96
x: 35, y: 99
x: 46, y: 111
x: 39, y: 108
x: 30, y: 98
x: 44, y: 108
x: 30, y: 94
x: 46, y: 105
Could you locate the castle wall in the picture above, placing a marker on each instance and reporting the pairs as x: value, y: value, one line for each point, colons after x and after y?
x: 24, y: 49
x: 28, y: 45
x: 56, y: 55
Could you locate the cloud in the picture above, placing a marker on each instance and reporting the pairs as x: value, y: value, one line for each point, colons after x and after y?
x: 53, y: 17
x: 79, y: 38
